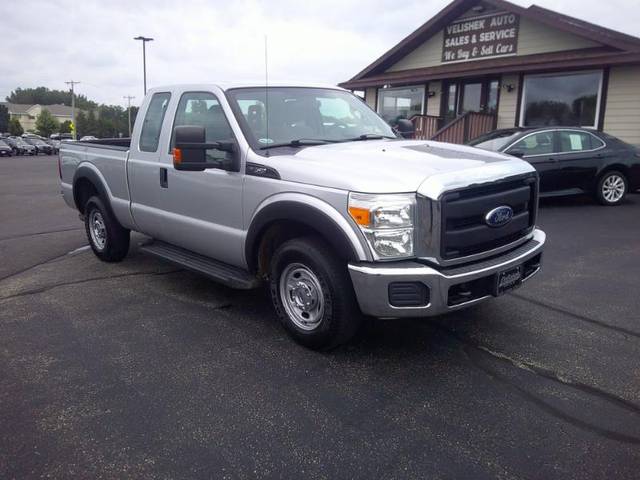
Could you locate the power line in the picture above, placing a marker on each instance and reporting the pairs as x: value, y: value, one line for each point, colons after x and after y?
x: 73, y: 106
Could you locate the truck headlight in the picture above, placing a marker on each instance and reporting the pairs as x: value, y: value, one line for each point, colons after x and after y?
x: 386, y: 221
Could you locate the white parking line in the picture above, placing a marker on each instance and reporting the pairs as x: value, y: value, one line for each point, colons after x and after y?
x: 78, y: 250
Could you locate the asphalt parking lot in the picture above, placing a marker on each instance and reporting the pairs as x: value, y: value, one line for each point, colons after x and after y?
x: 142, y: 370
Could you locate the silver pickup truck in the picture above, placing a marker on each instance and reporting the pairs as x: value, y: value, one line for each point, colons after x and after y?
x: 308, y: 190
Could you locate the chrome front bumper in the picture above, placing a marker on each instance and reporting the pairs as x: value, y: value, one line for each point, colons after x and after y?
x: 371, y: 281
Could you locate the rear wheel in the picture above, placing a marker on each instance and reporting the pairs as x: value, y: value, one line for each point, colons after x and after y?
x: 312, y: 294
x: 108, y: 239
x: 612, y: 188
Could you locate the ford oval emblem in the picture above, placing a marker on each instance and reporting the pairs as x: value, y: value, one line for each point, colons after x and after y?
x: 499, y: 216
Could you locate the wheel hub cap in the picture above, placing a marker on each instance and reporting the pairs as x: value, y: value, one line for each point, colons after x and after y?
x: 302, y: 296
x: 613, y: 188
x: 97, y: 229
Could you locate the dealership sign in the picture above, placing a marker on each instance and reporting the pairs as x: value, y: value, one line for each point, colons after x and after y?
x: 481, y: 37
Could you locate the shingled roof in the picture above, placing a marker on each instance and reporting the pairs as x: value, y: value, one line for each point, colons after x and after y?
x: 23, y: 109
x: 620, y: 44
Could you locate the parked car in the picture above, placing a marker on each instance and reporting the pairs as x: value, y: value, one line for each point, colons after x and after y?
x: 88, y: 137
x: 13, y: 143
x: 55, y: 144
x: 337, y: 217
x: 40, y: 145
x: 5, y: 149
x: 26, y: 147
x: 572, y: 160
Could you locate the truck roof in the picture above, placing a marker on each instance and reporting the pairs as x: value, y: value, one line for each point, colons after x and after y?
x: 257, y: 84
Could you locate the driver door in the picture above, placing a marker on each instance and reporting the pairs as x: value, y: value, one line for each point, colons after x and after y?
x: 203, y: 210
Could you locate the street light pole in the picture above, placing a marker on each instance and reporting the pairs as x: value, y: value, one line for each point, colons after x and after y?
x: 73, y: 106
x: 129, y: 98
x: 144, y: 58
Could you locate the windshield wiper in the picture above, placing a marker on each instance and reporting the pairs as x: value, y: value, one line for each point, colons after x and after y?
x: 368, y: 136
x: 300, y: 142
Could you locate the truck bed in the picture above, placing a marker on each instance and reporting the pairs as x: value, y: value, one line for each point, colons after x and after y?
x: 112, y: 143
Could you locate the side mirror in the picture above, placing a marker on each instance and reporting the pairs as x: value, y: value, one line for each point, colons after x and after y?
x: 405, y: 128
x: 516, y: 153
x: 190, y: 150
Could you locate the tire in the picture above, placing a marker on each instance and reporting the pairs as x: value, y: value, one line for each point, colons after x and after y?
x: 612, y: 187
x: 108, y: 239
x: 332, y: 314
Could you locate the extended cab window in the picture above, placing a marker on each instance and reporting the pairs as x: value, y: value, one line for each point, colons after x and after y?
x: 152, y: 126
x: 203, y: 109
x: 574, y: 141
x: 536, y: 144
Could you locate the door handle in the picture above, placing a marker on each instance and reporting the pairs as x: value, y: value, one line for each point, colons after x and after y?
x: 164, y: 177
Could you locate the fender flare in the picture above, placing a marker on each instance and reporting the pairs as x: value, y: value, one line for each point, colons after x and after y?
x: 311, y: 212
x: 89, y: 172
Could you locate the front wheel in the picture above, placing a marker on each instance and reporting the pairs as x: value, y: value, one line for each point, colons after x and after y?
x: 312, y: 294
x: 108, y: 239
x: 612, y: 188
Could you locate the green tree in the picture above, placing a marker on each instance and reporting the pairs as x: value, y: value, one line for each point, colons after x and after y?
x: 46, y: 124
x: 65, y: 127
x: 92, y: 124
x: 4, y: 118
x: 81, y: 124
x: 15, y: 128
x: 44, y: 96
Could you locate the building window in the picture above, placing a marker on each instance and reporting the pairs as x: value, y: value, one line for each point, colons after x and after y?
x: 395, y: 103
x: 568, y: 99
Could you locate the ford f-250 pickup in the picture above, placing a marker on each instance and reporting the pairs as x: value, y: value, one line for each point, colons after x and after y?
x: 307, y: 189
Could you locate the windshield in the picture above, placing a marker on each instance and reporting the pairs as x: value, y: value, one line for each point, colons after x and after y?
x: 495, y: 141
x: 307, y: 114
x: 2, y: 144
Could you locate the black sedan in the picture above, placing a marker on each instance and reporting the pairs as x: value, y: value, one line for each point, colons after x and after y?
x: 21, y: 147
x: 5, y: 150
x: 13, y: 143
x: 572, y: 160
x: 40, y: 145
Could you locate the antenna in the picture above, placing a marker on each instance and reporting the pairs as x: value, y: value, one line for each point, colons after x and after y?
x: 266, y: 89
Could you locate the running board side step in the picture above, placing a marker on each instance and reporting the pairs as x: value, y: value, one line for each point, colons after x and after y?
x: 229, y: 275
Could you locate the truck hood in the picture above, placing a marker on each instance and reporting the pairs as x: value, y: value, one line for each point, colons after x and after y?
x: 393, y: 166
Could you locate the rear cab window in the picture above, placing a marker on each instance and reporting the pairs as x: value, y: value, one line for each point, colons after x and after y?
x: 152, y: 125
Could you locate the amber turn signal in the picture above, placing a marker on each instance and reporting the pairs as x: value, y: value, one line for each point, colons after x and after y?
x: 362, y: 216
x: 177, y: 156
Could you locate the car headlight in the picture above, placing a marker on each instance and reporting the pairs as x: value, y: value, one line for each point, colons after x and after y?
x: 386, y: 221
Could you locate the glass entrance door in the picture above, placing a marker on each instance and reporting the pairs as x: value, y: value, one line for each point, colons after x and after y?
x: 478, y: 95
x: 471, y: 98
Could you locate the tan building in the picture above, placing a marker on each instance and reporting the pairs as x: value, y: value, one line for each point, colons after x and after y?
x: 27, y: 114
x: 485, y: 64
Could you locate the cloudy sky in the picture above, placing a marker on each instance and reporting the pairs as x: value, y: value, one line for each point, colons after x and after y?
x: 47, y: 42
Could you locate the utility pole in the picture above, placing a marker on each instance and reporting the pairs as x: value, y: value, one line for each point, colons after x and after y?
x: 129, y: 98
x: 144, y: 58
x: 73, y: 106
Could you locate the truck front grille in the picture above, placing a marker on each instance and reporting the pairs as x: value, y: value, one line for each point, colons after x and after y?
x: 464, y: 230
